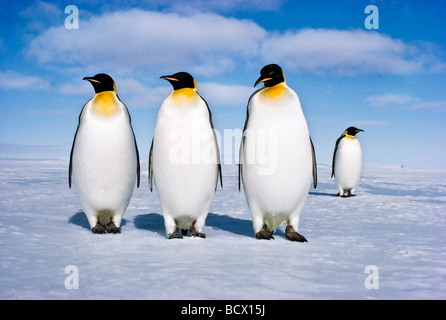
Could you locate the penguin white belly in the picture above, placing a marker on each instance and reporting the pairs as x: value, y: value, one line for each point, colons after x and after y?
x: 348, y: 164
x: 104, y: 167
x: 277, y: 183
x: 184, y: 166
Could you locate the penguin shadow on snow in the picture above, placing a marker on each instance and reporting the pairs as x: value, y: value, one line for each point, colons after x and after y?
x: 151, y: 221
x: 313, y: 193
x: 80, y: 219
x: 324, y: 187
x: 155, y: 222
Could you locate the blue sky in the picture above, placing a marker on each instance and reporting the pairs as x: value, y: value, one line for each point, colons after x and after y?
x: 389, y: 82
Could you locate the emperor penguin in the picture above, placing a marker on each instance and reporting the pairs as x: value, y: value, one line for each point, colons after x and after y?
x: 347, y: 162
x: 184, y: 159
x: 277, y: 158
x: 104, y: 159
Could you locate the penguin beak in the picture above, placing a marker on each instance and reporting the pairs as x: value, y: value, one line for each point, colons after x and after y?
x: 359, y: 130
x: 261, y: 80
x: 91, y: 79
x: 169, y: 78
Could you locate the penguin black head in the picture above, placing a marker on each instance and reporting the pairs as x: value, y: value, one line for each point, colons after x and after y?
x: 352, y: 131
x: 181, y: 80
x: 102, y: 82
x: 271, y: 75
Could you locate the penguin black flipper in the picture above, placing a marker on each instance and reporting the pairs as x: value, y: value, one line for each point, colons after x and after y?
x: 313, y: 156
x: 334, y: 155
x: 240, y: 165
x: 151, y: 166
x: 138, y: 168
x: 219, y: 174
x: 70, y: 166
x: 241, y: 153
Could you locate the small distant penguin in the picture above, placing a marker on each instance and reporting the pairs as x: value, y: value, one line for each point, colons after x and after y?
x: 104, y: 159
x: 277, y: 158
x: 184, y: 159
x: 347, y: 162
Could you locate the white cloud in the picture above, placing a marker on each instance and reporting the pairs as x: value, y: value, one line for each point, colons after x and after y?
x: 405, y: 102
x: 346, y: 52
x: 162, y: 41
x: 430, y: 105
x: 12, y: 80
x: 131, y: 91
x: 226, y: 5
x: 225, y: 95
x: 384, y: 100
x: 136, y: 94
x: 76, y: 89
x: 215, y: 94
x: 209, y: 44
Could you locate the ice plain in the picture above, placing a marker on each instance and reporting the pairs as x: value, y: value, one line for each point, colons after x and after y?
x: 397, y: 223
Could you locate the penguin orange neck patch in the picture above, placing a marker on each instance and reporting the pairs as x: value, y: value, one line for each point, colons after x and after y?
x: 182, y: 96
x: 105, y: 104
x: 275, y: 92
x: 350, y: 137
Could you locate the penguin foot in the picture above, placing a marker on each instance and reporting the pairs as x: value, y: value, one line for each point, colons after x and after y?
x: 184, y: 232
x: 194, y: 233
x: 348, y: 195
x: 343, y: 195
x: 175, y: 235
x: 263, y: 234
x: 98, y: 228
x: 112, y: 228
x: 292, y: 235
x: 198, y: 234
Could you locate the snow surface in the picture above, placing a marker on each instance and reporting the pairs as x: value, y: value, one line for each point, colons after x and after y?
x: 397, y: 222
